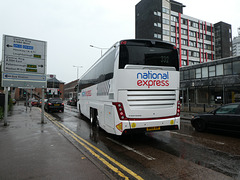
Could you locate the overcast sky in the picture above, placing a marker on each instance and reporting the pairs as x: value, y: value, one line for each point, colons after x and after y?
x: 71, y: 26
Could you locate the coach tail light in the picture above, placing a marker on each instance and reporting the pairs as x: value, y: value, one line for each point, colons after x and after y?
x: 120, y: 110
x: 178, y: 108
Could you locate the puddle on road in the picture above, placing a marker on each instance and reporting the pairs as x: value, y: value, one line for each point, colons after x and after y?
x: 188, y: 149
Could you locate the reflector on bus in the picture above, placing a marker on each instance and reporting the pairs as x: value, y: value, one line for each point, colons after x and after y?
x: 119, y: 126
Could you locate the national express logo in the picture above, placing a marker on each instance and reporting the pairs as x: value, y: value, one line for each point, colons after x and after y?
x: 150, y: 79
x: 87, y: 93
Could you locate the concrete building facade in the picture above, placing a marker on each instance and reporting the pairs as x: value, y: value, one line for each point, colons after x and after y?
x: 211, y: 83
x: 70, y: 89
x: 198, y: 41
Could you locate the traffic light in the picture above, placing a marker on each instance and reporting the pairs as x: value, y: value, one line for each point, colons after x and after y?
x: 24, y: 93
x: 49, y: 91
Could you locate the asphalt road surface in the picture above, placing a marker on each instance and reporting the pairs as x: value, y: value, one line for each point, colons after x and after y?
x: 183, y: 154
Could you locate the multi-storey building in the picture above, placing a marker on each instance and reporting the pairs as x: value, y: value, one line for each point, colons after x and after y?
x: 236, y: 44
x: 70, y: 89
x: 223, y: 40
x: 195, y: 39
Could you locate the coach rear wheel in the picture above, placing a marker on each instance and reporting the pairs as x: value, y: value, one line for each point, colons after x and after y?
x: 80, y: 113
x: 94, y: 118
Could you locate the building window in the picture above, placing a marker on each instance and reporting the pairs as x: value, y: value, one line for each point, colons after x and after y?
x: 212, y: 71
x: 158, y: 36
x: 184, y: 42
x: 194, y: 24
x: 219, y: 69
x: 204, y: 72
x: 165, y: 32
x: 181, y: 75
x: 192, y: 34
x: 184, y: 21
x: 184, y: 62
x: 236, y: 67
x: 198, y: 73
x: 165, y: 10
x: 209, y: 56
x: 227, y: 68
x: 174, y: 19
x: 192, y: 43
x: 157, y: 13
x: 192, y: 73
x: 194, y: 54
x: 165, y: 21
x: 208, y: 47
x: 157, y: 24
x: 184, y: 31
x: 185, y: 75
x: 184, y: 52
x: 173, y: 39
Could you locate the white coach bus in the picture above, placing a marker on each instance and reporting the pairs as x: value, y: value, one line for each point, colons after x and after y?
x: 133, y: 88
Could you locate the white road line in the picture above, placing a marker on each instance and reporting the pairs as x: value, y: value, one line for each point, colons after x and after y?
x: 180, y: 134
x: 217, y: 142
x: 133, y: 150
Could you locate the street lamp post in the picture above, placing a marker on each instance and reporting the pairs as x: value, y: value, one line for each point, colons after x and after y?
x: 98, y: 48
x: 77, y: 69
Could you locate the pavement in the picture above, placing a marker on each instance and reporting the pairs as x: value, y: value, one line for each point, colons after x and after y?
x: 186, y: 115
x: 31, y: 150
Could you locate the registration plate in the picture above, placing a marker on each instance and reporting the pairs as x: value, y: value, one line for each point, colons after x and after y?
x: 56, y: 104
x: 157, y: 128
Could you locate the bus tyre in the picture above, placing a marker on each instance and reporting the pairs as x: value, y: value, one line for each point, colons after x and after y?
x: 97, y: 122
x: 94, y: 118
x: 80, y: 113
x: 91, y: 116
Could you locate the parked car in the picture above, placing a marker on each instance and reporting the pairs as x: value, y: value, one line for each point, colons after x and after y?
x: 34, y: 102
x: 69, y: 101
x: 226, y: 118
x: 54, y: 104
x: 40, y: 102
x: 72, y: 102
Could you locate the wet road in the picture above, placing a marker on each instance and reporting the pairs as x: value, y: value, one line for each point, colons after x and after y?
x: 183, y: 154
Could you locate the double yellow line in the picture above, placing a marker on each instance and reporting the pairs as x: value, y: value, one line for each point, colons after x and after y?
x: 93, y: 149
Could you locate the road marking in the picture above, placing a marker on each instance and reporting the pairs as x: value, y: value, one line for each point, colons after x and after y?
x: 217, y: 142
x: 88, y: 146
x: 131, y: 149
x: 172, y: 132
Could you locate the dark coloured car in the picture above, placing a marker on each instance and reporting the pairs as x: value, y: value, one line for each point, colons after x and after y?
x: 54, y: 104
x: 40, y: 102
x: 72, y: 102
x: 69, y: 101
x: 225, y: 118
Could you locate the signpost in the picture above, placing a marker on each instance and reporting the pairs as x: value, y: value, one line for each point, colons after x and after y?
x: 23, y: 64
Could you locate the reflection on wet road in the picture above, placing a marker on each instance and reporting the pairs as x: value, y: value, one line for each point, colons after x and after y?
x: 183, y: 154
